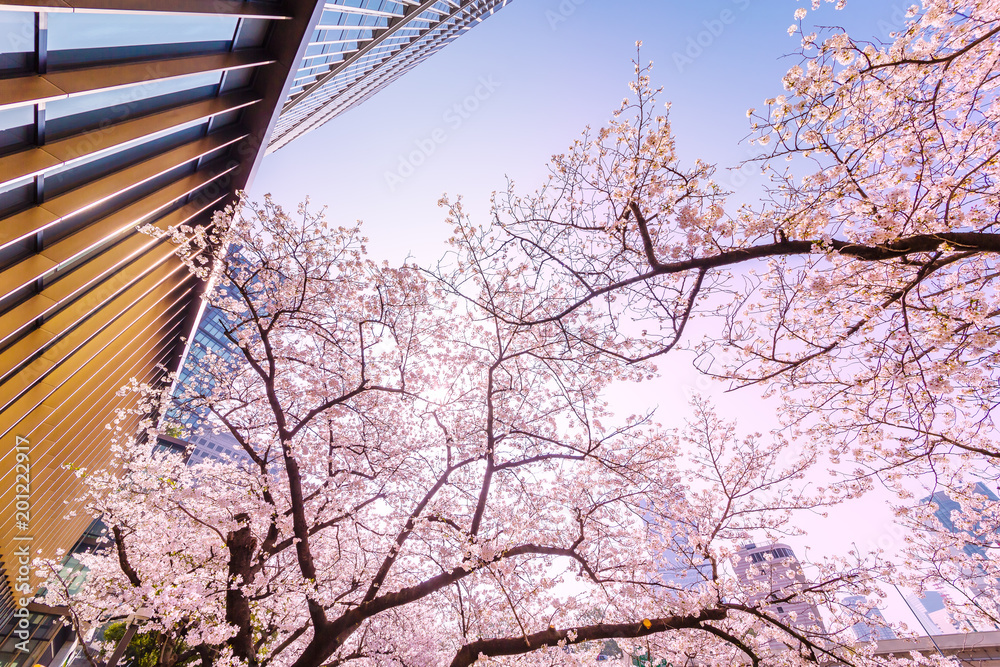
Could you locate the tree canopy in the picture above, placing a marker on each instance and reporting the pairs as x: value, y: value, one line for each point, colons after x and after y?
x: 434, y: 475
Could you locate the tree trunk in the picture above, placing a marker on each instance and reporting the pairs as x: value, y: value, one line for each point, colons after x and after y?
x: 241, y: 545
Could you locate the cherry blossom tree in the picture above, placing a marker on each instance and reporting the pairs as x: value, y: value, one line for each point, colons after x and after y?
x: 434, y: 477
x: 429, y: 484
x: 861, y: 290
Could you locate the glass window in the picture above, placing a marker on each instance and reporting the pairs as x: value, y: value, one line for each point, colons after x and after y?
x: 17, y: 32
x: 119, y: 101
x: 88, y: 31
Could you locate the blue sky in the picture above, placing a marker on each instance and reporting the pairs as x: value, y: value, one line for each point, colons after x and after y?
x: 552, y: 67
x: 527, y: 81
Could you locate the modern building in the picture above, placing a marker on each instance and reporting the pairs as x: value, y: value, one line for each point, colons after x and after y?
x: 979, y: 649
x: 359, y: 46
x: 677, y: 563
x: 216, y: 447
x: 866, y: 632
x: 209, y: 339
x: 119, y: 113
x: 945, y: 508
x: 932, y: 613
x: 772, y: 573
x: 49, y: 641
x: 974, y: 585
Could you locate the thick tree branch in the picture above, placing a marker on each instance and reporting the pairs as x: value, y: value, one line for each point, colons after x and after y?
x: 469, y: 653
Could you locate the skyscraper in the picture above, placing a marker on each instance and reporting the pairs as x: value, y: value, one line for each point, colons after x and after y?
x: 678, y: 564
x: 866, y: 632
x: 772, y: 573
x: 946, y: 507
x: 359, y: 47
x: 931, y: 611
x: 972, y: 586
x: 118, y: 113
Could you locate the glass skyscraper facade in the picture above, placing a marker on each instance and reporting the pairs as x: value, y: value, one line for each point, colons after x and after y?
x: 946, y: 506
x: 866, y: 632
x: 359, y: 46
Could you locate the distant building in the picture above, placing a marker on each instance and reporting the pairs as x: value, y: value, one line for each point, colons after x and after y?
x: 974, y: 582
x: 676, y: 562
x: 772, y: 573
x: 216, y: 447
x: 205, y: 447
x: 946, y: 507
x: 931, y: 611
x: 679, y: 566
x: 863, y: 631
x: 979, y: 649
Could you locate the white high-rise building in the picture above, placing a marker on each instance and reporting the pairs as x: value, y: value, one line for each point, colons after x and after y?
x: 773, y: 573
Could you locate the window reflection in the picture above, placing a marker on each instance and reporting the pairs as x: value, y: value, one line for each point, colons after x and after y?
x: 88, y: 31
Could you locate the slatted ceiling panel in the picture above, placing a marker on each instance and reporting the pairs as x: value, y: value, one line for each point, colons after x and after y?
x: 48, y: 87
x: 94, y: 407
x: 84, y: 278
x: 93, y: 428
x: 81, y: 199
x: 241, y: 8
x: 87, y: 442
x: 118, y: 229
x: 78, y: 201
x: 87, y: 424
x: 56, y: 360
x: 62, y: 484
x: 95, y: 297
x: 127, y: 244
x: 152, y: 289
x: 60, y: 154
x: 86, y: 302
x: 87, y: 438
x: 84, y: 424
x: 21, y: 225
x: 70, y: 400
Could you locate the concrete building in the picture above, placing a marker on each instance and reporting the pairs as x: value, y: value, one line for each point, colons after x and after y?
x: 973, y: 649
x: 118, y: 113
x: 772, y: 573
